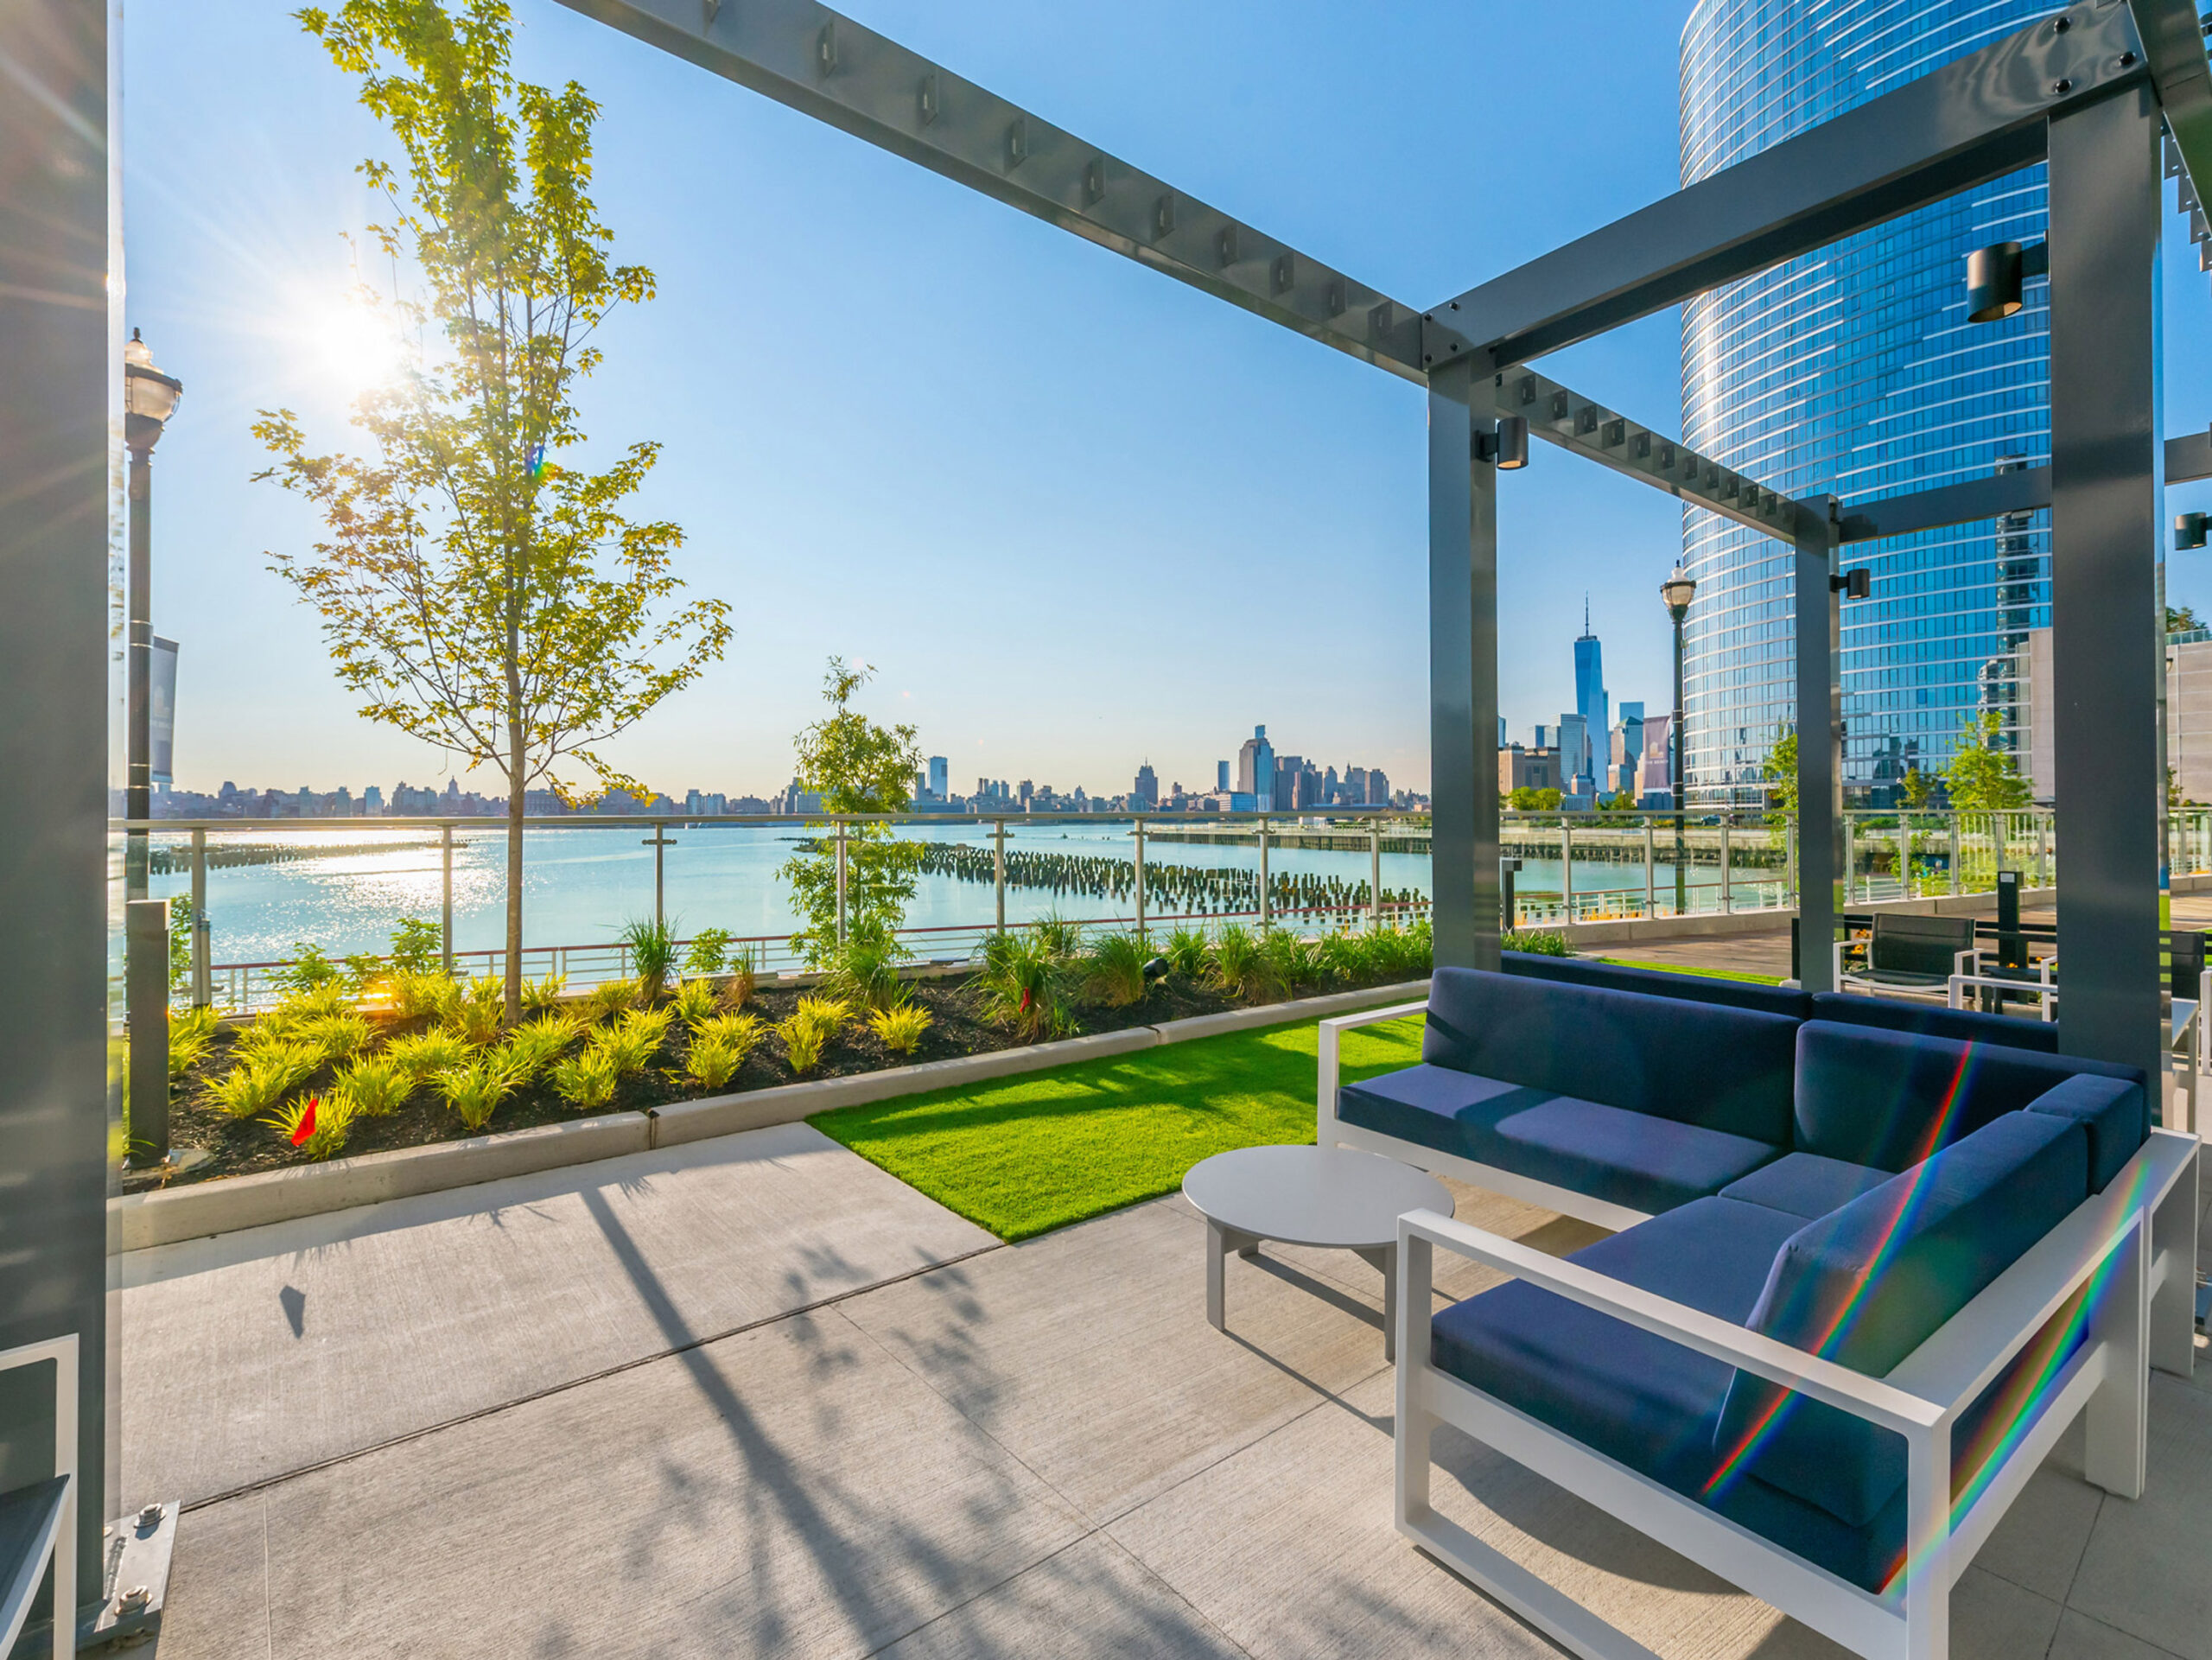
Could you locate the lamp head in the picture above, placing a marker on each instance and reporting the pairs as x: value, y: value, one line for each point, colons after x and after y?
x: 149, y: 397
x: 1677, y: 591
x: 1993, y: 276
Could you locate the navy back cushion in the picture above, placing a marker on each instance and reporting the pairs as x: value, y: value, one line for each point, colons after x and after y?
x: 1889, y: 1099
x: 1724, y: 1069
x: 2110, y: 1109
x: 1933, y: 1020
x: 1865, y: 1286
x: 1658, y: 983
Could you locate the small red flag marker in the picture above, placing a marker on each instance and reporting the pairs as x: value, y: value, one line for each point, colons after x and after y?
x: 306, y: 1126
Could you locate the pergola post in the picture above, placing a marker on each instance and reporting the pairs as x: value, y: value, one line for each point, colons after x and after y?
x: 1819, y: 746
x: 2107, y: 635
x: 1463, y: 671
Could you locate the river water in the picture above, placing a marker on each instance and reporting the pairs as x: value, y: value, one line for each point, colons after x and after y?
x: 581, y: 886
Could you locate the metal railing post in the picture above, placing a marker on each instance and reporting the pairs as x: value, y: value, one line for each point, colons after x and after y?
x: 998, y: 867
x: 1139, y: 881
x: 2042, y: 850
x: 1958, y: 879
x: 840, y: 881
x: 1790, y: 859
x: 445, y: 926
x: 1727, y: 869
x: 1566, y: 870
x: 659, y: 842
x: 203, y: 990
x: 1375, y: 877
x: 1904, y: 855
x: 1650, y: 853
x: 146, y: 998
x: 1850, y: 857
x: 1265, y: 908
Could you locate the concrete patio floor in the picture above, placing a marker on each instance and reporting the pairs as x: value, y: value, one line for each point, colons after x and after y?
x: 510, y: 1424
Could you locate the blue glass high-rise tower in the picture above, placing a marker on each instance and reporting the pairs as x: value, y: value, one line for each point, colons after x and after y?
x: 1592, y: 704
x: 1852, y: 371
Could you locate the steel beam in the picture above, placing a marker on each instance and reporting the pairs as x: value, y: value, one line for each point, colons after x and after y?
x: 2106, y: 634
x: 2173, y: 39
x: 1462, y: 674
x: 2188, y: 457
x: 54, y: 561
x: 1974, y: 119
x: 1820, y: 743
x: 1591, y: 430
x: 2021, y: 492
x: 824, y: 65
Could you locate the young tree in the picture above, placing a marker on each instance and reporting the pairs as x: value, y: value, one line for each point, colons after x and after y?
x: 1780, y: 772
x: 859, y: 767
x: 1917, y: 788
x: 475, y: 591
x: 1982, y: 773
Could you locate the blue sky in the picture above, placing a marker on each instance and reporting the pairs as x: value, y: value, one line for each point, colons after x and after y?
x: 1078, y: 516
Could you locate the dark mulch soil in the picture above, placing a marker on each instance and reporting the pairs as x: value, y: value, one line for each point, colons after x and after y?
x: 959, y: 1027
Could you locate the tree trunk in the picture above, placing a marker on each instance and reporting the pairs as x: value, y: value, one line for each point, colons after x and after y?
x: 515, y: 808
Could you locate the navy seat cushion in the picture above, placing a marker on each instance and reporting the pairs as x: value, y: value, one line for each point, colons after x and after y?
x: 2110, y: 1109
x: 1635, y: 1397
x: 1867, y: 1284
x: 1628, y: 1158
x: 1723, y: 1069
x: 1657, y: 983
x: 1805, y: 1184
x: 1933, y: 1020
x: 1435, y: 1106
x: 1889, y: 1099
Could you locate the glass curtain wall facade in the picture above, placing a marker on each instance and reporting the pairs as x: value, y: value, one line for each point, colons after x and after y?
x: 1852, y: 371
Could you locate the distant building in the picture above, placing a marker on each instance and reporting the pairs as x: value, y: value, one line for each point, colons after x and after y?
x: 1146, y: 792
x: 1526, y: 769
x: 1590, y: 700
x: 1378, y: 788
x: 1354, y: 788
x: 1574, y: 752
x: 1255, y: 769
x: 373, y: 802
x: 1655, y: 773
x: 940, y: 777
x: 1221, y: 776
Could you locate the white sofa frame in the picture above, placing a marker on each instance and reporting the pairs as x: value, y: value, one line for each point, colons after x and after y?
x: 1332, y: 1131
x: 56, y: 1544
x: 2136, y: 1241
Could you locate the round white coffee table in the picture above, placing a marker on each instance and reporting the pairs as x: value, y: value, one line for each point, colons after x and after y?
x: 1330, y: 1196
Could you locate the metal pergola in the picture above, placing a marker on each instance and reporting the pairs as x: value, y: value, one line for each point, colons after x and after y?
x: 2086, y: 90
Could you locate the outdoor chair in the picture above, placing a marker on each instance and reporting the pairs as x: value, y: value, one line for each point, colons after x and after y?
x: 1907, y: 953
x: 1827, y: 1383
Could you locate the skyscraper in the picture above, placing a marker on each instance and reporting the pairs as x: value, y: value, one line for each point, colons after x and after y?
x: 1147, y: 791
x: 1590, y: 700
x: 1256, y: 769
x: 940, y: 778
x: 1851, y: 371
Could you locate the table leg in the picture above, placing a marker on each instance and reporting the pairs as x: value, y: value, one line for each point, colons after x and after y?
x: 1216, y: 1249
x: 1384, y: 1259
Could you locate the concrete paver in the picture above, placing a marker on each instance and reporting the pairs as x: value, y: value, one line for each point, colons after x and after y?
x: 253, y: 1354
x: 1039, y: 1449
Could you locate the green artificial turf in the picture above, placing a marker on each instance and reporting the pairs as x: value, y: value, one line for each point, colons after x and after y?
x: 1026, y: 1154
x: 1693, y: 968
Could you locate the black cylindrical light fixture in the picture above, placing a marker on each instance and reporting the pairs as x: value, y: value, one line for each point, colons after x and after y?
x: 1512, y: 443
x: 1993, y: 278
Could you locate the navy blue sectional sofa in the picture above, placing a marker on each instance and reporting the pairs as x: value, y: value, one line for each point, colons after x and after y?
x: 1617, y: 1104
x: 1842, y: 1189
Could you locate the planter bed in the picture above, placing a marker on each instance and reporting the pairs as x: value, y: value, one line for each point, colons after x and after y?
x: 958, y: 1028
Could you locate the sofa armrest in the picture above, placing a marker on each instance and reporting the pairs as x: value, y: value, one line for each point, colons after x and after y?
x: 1324, y: 1116
x: 1870, y: 1398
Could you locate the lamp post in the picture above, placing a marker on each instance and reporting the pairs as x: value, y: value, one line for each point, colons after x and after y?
x: 148, y: 399
x: 1677, y: 591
